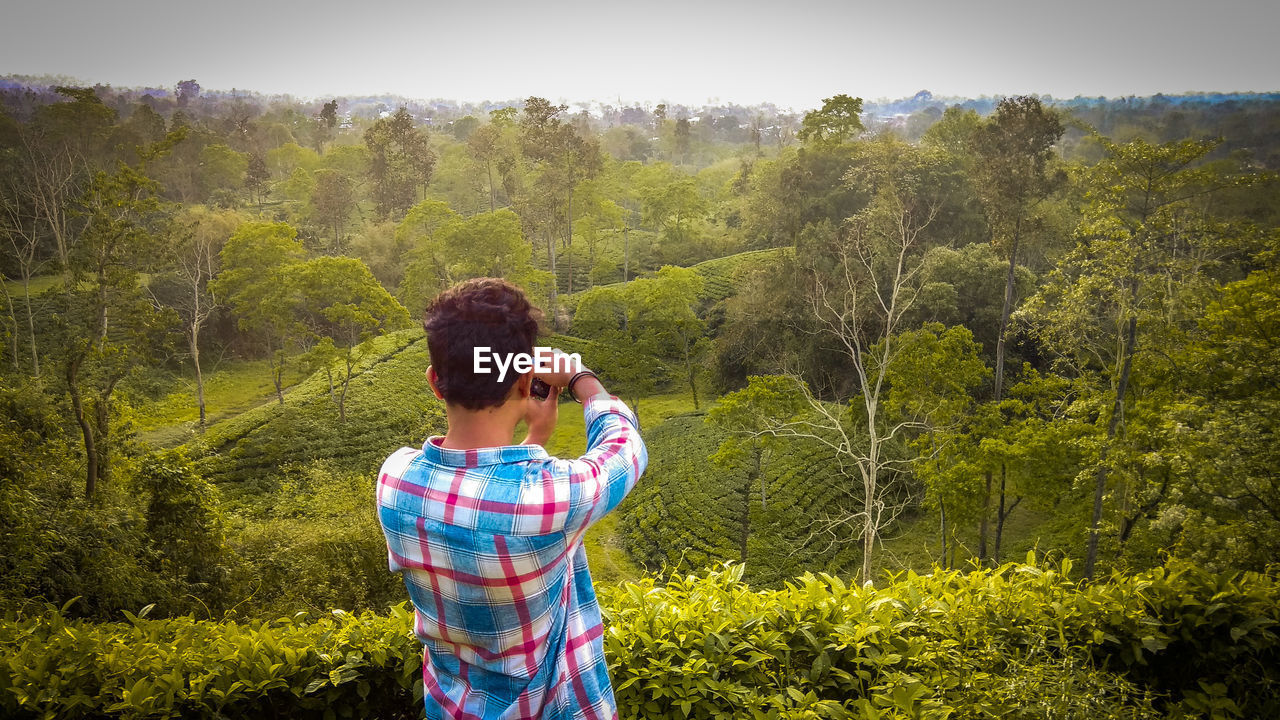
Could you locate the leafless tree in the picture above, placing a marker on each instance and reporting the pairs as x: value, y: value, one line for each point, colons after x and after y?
x: 872, y: 278
x: 195, y: 259
x: 35, y: 206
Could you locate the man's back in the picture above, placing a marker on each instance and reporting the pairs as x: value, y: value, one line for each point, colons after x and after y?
x: 490, y: 544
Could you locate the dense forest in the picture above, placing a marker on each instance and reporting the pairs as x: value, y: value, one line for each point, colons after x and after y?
x: 925, y: 336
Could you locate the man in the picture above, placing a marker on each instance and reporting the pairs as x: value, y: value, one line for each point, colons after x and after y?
x: 488, y: 535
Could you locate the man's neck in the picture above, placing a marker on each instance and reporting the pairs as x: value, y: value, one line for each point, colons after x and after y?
x: 470, y: 429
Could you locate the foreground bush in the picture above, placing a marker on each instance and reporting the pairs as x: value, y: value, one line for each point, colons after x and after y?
x: 1019, y: 642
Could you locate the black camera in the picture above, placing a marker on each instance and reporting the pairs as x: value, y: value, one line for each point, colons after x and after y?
x: 540, y: 389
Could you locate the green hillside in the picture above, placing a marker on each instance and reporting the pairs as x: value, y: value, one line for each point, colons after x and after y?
x: 688, y: 514
x: 719, y: 274
x: 389, y: 405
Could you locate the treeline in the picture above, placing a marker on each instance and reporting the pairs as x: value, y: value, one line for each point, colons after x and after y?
x: 986, y: 319
x: 972, y: 326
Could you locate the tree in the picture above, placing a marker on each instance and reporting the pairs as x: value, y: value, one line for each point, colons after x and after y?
x: 931, y: 379
x: 107, y: 330
x: 673, y: 209
x: 484, y: 145
x: 402, y: 162
x: 663, y: 308
x: 20, y: 225
x: 1222, y: 449
x: 1013, y: 151
x: 194, y: 259
x: 682, y: 137
x: 747, y: 414
x: 328, y: 121
x: 342, y: 305
x: 256, y: 176
x: 624, y: 357
x: 187, y: 91
x: 1140, y: 268
x: 447, y: 249
x: 863, y: 280
x: 254, y: 281
x: 836, y: 122
x: 563, y: 158
x: 145, y: 124
x: 605, y: 216
x: 329, y: 114
x: 222, y: 168
x: 332, y: 202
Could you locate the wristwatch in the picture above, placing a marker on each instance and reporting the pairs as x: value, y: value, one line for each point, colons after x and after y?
x: 576, y: 377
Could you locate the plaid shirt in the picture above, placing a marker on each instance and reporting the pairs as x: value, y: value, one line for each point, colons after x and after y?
x: 489, y: 542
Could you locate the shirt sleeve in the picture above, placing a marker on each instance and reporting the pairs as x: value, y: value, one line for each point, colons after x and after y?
x: 615, y: 459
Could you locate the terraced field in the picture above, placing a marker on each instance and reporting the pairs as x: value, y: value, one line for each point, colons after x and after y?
x: 718, y: 274
x: 388, y: 405
x: 687, y: 514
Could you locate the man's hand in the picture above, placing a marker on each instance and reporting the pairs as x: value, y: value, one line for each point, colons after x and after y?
x: 540, y: 416
x: 559, y: 360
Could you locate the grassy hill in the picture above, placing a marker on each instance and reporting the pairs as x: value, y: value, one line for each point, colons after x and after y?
x: 388, y: 405
x: 718, y: 274
x: 688, y: 514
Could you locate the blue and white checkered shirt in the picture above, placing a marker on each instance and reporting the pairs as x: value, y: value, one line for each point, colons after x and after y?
x: 489, y: 542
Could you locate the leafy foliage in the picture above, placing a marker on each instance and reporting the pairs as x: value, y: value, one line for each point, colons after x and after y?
x: 1022, y: 641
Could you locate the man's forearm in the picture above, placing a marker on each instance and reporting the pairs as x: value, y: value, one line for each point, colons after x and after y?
x: 587, y: 387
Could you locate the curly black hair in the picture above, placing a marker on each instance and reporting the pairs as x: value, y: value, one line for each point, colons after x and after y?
x: 483, y: 312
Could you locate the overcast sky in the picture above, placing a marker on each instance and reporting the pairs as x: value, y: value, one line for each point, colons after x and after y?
x: 789, y: 52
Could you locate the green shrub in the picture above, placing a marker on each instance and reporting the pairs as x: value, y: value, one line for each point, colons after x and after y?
x: 1017, y: 642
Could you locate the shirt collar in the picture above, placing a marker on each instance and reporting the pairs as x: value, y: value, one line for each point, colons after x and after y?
x: 477, y: 457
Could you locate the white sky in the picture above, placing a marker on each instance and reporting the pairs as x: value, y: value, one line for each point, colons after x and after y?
x: 790, y: 52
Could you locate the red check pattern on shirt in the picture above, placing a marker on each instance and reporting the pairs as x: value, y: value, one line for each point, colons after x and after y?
x: 489, y: 542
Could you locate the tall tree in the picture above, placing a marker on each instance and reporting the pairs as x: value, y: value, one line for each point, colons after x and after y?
x: 837, y: 121
x: 254, y: 281
x: 332, y: 202
x: 109, y: 328
x: 193, y: 259
x: 446, y: 249
x: 341, y: 304
x: 863, y: 281
x: 187, y: 90
x: 484, y: 145
x: 1140, y: 268
x: 402, y: 162
x: 663, y: 308
x: 931, y: 380
x: 1014, y: 149
x: 563, y: 158
x: 256, y: 176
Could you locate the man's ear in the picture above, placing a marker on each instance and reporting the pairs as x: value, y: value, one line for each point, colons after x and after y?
x: 434, y: 381
x: 524, y: 383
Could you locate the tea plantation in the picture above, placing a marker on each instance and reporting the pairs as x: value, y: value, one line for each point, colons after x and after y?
x: 718, y: 274
x: 388, y: 405
x: 688, y: 514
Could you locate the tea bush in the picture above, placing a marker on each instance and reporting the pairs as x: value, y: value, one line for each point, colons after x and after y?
x: 1021, y: 641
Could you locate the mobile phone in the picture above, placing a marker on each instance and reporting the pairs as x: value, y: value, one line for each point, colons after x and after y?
x: 540, y: 389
